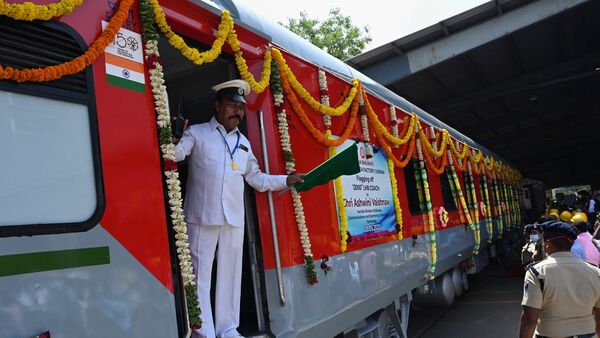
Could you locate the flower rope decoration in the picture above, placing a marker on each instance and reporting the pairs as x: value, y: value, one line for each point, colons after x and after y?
x: 463, y: 204
x: 159, y: 92
x: 257, y: 87
x: 443, y: 216
x: 394, y: 121
x: 397, y: 207
x: 453, y: 190
x: 286, y: 146
x: 506, y: 204
x: 459, y: 154
x: 225, y: 32
x: 324, y: 92
x: 337, y: 183
x: 381, y: 132
x: 486, y: 199
x: 364, y: 123
x: 305, y: 95
x: 381, y: 129
x: 193, y: 54
x: 388, y: 150
x: 498, y: 205
x: 28, y: 11
x: 318, y: 135
x: 474, y: 206
x: 434, y: 151
x: 79, y: 63
x: 431, y: 220
x: 515, y: 204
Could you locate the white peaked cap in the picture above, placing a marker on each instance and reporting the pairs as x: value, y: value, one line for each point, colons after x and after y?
x: 241, y: 84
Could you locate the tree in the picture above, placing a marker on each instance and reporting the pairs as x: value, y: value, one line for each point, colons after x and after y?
x: 336, y: 35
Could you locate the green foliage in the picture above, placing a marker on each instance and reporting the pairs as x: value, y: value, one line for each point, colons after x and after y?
x: 336, y: 35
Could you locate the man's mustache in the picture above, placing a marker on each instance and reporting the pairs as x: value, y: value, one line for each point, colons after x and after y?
x: 235, y: 117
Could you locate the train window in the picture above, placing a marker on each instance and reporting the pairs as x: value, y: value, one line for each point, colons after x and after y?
x: 448, y: 198
x: 415, y: 193
x: 51, y: 178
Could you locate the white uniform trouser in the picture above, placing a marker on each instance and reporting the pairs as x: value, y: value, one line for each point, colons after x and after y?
x: 203, y: 242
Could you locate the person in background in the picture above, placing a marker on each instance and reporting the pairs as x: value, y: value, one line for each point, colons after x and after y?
x: 220, y: 160
x: 583, y: 247
x: 533, y: 250
x: 561, y: 294
x: 593, y: 206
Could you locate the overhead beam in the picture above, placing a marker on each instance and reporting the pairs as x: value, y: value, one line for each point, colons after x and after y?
x: 562, y: 72
x: 387, y: 71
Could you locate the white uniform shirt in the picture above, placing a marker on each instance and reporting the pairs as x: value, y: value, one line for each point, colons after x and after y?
x: 215, y: 191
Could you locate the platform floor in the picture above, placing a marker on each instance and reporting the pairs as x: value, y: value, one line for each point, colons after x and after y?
x: 489, y: 309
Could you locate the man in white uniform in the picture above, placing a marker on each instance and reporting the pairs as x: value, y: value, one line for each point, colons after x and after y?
x: 220, y: 159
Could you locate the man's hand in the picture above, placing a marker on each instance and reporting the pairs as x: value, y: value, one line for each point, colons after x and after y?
x: 529, y: 319
x: 186, y: 122
x: 293, y: 179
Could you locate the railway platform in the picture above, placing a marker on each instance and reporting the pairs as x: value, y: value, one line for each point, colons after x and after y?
x: 489, y: 309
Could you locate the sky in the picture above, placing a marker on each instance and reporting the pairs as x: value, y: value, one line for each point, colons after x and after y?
x: 387, y: 20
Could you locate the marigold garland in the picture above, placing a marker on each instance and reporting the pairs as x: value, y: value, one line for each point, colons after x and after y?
x: 498, y: 205
x: 463, y: 204
x: 381, y: 129
x: 324, y: 91
x: 77, y: 64
x: 306, y: 121
x: 394, y: 121
x: 286, y: 146
x: 430, y: 218
x: 193, y: 54
x: 28, y: 11
x: 337, y: 183
x: 397, y: 207
x: 305, y: 95
x: 438, y: 170
x: 443, y: 216
x: 159, y: 92
x: 486, y: 200
x: 364, y: 123
x: 474, y: 207
x: 459, y: 154
x: 440, y: 144
x: 257, y: 87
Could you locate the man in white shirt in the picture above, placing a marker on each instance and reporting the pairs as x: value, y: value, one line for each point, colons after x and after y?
x: 220, y: 158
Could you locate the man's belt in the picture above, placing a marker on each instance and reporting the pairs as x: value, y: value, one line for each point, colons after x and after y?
x: 587, y: 335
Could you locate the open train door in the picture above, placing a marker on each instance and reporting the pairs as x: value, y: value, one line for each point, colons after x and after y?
x: 190, y: 96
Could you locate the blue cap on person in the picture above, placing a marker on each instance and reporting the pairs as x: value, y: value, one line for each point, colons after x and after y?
x: 553, y: 229
x: 234, y: 90
x: 530, y: 227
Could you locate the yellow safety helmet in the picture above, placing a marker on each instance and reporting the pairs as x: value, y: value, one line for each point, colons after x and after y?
x: 554, y: 216
x: 565, y: 216
x: 579, y: 216
x: 553, y: 211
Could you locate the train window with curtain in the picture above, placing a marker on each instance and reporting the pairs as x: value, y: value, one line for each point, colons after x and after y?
x: 51, y: 181
x: 448, y: 198
x: 414, y: 192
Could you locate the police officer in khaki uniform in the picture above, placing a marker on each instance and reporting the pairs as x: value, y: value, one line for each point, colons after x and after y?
x: 561, y: 296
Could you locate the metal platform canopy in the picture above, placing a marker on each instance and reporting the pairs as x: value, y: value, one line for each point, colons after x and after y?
x: 520, y: 77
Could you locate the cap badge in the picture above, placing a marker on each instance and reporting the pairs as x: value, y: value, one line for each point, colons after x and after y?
x: 240, y: 91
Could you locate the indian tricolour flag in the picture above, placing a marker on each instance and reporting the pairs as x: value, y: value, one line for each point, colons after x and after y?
x: 125, y: 61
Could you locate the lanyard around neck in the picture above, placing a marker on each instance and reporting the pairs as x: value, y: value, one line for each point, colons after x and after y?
x: 231, y: 152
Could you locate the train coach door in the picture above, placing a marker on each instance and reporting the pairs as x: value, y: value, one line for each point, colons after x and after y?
x: 190, y: 95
